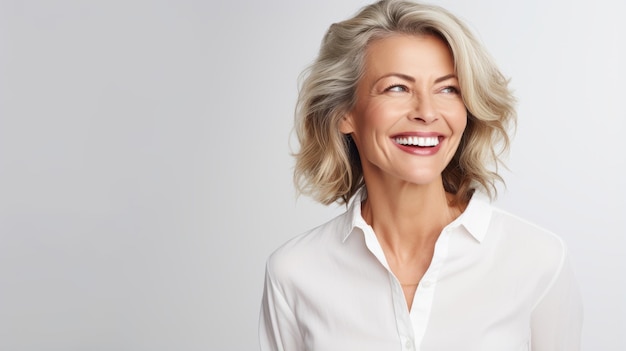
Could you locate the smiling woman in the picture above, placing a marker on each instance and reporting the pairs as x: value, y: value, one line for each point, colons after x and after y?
x: 407, y: 127
x: 402, y: 117
x: 408, y: 104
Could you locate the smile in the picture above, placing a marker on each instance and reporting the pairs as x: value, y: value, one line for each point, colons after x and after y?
x: 417, y: 141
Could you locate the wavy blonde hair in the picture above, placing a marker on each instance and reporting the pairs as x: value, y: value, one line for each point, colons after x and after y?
x: 328, y: 167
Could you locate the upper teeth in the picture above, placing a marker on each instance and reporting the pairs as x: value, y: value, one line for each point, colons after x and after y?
x: 419, y: 141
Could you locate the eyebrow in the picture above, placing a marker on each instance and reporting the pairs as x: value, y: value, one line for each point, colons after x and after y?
x: 411, y: 79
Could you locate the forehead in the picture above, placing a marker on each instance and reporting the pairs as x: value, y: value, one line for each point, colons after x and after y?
x: 408, y: 52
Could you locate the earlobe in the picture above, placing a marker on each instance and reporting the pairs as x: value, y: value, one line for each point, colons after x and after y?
x: 345, y: 124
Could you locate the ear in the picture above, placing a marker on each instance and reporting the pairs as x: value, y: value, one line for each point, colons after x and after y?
x: 346, y: 124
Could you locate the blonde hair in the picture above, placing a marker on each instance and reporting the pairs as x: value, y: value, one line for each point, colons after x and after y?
x: 328, y: 167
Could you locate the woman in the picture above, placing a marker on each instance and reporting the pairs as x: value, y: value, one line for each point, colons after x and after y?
x: 402, y: 117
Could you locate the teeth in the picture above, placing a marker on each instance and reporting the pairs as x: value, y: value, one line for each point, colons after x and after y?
x: 418, y: 141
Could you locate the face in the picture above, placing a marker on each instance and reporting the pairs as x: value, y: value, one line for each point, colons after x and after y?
x: 409, y: 115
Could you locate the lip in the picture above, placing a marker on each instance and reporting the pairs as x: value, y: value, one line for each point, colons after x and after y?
x: 417, y: 134
x: 419, y: 151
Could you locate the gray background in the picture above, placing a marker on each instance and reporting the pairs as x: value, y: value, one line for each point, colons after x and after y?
x: 145, y: 173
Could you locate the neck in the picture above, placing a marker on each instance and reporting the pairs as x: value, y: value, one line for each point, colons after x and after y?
x: 407, y: 218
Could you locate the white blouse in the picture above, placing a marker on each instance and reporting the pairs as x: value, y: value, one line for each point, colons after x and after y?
x: 495, y: 283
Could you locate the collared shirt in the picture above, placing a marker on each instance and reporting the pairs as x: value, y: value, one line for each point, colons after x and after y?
x: 495, y: 283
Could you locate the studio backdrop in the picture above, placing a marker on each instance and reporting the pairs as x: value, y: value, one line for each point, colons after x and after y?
x: 145, y: 168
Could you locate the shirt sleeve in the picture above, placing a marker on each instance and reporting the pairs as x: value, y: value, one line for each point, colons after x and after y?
x: 556, y: 322
x: 278, y: 328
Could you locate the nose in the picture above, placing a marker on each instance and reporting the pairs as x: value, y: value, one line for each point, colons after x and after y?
x: 424, y: 109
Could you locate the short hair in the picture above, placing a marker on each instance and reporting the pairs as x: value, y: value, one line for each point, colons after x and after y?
x: 328, y: 167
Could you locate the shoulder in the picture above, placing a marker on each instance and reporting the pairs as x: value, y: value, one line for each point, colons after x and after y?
x: 305, y: 251
x: 540, y: 250
x: 523, y: 254
x: 520, y: 230
x: 507, y: 233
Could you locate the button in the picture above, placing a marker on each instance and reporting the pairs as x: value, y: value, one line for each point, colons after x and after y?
x: 427, y: 283
x: 407, y: 343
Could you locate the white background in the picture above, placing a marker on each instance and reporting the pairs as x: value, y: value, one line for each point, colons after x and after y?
x: 145, y: 173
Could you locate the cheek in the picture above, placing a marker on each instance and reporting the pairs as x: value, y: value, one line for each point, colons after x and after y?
x: 381, y: 115
x: 365, y: 120
x: 459, y: 121
x: 463, y: 123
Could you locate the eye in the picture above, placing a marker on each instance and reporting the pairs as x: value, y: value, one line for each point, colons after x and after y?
x: 450, y: 90
x: 397, y: 88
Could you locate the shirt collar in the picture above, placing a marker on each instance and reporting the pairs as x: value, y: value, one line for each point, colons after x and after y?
x: 475, y: 219
x: 353, y: 218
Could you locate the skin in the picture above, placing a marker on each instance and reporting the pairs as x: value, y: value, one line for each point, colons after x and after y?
x: 409, y: 87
